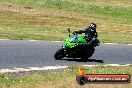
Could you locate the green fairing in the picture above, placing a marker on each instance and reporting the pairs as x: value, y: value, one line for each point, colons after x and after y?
x: 69, y: 44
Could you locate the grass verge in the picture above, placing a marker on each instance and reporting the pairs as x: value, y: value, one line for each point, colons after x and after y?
x: 63, y: 79
x: 48, y: 19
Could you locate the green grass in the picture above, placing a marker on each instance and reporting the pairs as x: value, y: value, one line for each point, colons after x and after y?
x: 48, y: 19
x: 27, y: 32
x: 113, y: 3
x: 62, y: 79
x: 122, y: 15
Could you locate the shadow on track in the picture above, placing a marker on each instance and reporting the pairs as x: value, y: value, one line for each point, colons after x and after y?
x: 88, y: 60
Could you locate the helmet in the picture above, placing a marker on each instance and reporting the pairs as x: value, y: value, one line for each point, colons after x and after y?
x: 93, y: 26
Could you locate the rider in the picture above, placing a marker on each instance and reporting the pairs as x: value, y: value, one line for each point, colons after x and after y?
x: 90, y: 33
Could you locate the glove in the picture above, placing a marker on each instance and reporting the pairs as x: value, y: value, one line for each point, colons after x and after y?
x: 74, y: 33
x: 93, y: 39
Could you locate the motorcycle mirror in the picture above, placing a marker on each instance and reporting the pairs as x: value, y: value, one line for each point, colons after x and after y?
x: 69, y: 30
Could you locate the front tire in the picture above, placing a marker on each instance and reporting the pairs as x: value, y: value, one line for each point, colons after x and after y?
x: 59, y: 54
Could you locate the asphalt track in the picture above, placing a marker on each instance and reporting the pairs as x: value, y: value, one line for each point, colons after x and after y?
x: 22, y: 54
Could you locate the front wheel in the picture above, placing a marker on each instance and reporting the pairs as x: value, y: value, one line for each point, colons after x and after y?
x: 59, y: 54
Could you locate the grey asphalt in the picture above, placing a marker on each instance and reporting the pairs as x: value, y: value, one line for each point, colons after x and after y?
x: 22, y: 54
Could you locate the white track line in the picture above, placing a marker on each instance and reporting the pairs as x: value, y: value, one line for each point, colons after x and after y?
x: 4, y: 39
x: 32, y: 69
x: 62, y: 41
x: 108, y: 65
x: 56, y: 41
x: 110, y: 43
x: 32, y: 40
x: 50, y: 68
x: 129, y: 44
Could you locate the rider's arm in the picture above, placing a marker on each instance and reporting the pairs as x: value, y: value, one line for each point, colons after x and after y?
x: 96, y: 35
x: 93, y: 39
x: 80, y: 31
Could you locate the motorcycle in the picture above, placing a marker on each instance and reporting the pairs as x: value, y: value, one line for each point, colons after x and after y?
x: 74, y: 47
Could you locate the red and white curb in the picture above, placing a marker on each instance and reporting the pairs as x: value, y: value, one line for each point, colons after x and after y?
x: 50, y: 68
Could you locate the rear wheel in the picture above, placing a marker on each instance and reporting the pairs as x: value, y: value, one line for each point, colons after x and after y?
x: 88, y: 54
x: 59, y: 54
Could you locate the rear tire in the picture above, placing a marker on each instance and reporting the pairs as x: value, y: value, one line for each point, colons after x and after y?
x: 88, y: 54
x: 59, y: 54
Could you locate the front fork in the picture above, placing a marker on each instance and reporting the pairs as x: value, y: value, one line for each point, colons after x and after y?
x: 65, y: 51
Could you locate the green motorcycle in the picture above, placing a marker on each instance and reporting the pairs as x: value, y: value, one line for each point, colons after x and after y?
x: 73, y: 47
